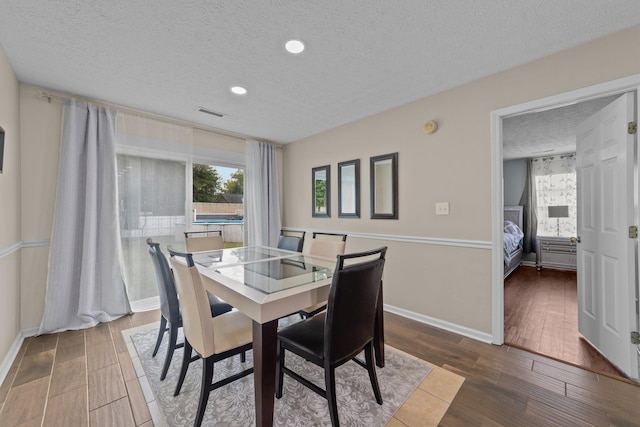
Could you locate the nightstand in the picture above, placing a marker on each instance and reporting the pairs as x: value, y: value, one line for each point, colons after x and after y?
x: 556, y: 252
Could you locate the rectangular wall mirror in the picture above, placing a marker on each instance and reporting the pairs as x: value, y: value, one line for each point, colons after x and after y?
x: 384, y: 186
x: 1, y: 148
x: 349, y: 189
x: 321, y: 191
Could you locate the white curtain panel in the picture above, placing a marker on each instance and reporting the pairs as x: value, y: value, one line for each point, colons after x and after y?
x: 261, y: 195
x: 555, y: 179
x: 85, y: 284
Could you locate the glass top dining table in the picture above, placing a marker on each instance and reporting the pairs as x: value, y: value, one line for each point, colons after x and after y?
x: 266, y: 284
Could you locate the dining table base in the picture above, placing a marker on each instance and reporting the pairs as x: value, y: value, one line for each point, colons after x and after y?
x: 265, y: 337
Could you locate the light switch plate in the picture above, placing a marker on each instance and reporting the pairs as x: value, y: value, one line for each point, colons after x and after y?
x: 442, y: 208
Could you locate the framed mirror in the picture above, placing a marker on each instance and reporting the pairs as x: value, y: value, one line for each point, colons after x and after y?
x: 1, y: 148
x: 384, y: 186
x: 321, y: 191
x: 349, y: 189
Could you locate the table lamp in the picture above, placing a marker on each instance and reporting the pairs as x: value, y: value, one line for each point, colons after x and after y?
x: 558, y: 212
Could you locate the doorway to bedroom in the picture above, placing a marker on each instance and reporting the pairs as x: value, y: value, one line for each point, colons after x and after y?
x: 540, y: 289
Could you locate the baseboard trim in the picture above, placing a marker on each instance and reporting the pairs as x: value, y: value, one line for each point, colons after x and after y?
x: 438, y: 323
x: 13, y: 351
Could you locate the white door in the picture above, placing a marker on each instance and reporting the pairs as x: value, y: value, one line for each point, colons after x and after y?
x: 606, y: 263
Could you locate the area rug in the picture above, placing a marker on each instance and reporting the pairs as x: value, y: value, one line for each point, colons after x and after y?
x: 233, y: 404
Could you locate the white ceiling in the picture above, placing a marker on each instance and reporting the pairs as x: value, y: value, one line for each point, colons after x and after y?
x: 171, y: 57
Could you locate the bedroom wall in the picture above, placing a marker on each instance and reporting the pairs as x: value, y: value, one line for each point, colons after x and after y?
x: 514, y: 174
x: 439, y: 268
x: 10, y: 241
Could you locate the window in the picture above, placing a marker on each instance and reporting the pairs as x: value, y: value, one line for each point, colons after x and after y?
x: 218, y: 202
x: 151, y: 197
x: 555, y: 181
x: 155, y: 172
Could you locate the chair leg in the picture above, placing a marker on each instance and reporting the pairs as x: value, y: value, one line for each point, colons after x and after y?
x: 205, y: 389
x: 330, y: 384
x: 186, y: 359
x: 279, y: 370
x: 161, y: 331
x: 371, y: 368
x: 173, y: 336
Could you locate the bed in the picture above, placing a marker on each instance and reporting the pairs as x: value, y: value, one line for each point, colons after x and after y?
x: 513, y: 235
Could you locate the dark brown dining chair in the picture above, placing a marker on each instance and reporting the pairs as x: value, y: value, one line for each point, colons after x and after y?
x: 213, y: 338
x: 338, y: 335
x: 199, y: 241
x: 325, y: 245
x: 171, y: 318
x: 291, y: 240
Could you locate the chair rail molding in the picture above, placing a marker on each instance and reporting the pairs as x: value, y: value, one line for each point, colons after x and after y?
x: 462, y: 243
x: 8, y: 250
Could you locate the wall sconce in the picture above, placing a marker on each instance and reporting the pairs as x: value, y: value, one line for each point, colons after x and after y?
x: 430, y: 127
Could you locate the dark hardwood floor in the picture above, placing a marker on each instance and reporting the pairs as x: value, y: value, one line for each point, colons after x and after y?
x: 508, y: 386
x: 541, y: 315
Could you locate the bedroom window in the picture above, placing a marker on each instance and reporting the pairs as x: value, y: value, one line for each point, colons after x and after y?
x: 555, y: 180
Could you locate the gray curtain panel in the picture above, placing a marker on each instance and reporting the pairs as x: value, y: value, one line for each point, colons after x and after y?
x: 85, y: 283
x: 529, y: 202
x: 262, y: 197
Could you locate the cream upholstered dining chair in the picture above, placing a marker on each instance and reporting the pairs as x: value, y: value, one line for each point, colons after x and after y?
x: 213, y: 338
x: 198, y: 241
x: 330, y: 245
x: 337, y: 336
x: 170, y: 316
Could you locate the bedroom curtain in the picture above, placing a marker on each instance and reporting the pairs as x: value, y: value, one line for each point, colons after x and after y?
x: 85, y: 283
x: 556, y: 185
x: 262, y: 198
x: 529, y: 203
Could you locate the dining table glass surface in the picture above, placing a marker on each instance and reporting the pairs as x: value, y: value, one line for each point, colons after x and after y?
x: 276, y: 274
x: 239, y: 255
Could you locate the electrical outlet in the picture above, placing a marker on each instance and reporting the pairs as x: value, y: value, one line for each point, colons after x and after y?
x: 442, y: 208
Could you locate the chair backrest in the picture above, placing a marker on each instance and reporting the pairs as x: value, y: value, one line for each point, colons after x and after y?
x: 291, y: 243
x: 198, y: 241
x: 196, y: 313
x: 328, y: 246
x: 169, y: 304
x: 351, y: 309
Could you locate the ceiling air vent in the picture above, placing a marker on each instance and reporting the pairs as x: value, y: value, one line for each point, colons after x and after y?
x: 213, y: 113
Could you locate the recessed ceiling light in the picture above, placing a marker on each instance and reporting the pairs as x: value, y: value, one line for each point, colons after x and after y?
x: 238, y: 90
x: 294, y: 46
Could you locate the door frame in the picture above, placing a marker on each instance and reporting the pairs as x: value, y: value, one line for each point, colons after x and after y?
x: 613, y: 87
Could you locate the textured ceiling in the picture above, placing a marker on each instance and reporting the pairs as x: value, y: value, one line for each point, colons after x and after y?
x: 547, y: 132
x: 171, y: 57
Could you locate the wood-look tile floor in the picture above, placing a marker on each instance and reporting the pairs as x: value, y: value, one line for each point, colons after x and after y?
x: 76, y: 378
x: 541, y: 315
x: 79, y: 379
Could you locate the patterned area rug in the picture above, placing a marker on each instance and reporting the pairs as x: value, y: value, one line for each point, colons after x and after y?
x: 233, y: 404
